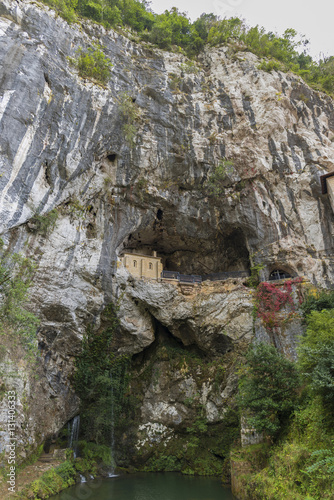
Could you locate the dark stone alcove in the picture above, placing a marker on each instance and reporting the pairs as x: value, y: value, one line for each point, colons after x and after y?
x: 189, y: 254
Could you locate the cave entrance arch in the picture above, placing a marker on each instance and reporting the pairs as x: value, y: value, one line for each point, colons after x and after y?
x: 190, y: 254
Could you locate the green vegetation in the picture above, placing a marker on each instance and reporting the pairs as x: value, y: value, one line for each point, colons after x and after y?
x: 254, y: 279
x: 130, y: 114
x: 51, y: 482
x: 111, y: 397
x: 324, y: 462
x: 317, y: 301
x: 216, y: 181
x: 92, y: 64
x: 34, y: 456
x: 141, y: 188
x: 100, y: 382
x: 65, y: 8
x: 44, y: 224
x: 189, y: 67
x: 301, y: 463
x: 271, y: 65
x: 316, y: 355
x: 74, y: 208
x: 16, y: 274
x: 267, y: 389
x: 299, y: 466
x: 203, y: 450
x: 94, y: 454
x: 66, y: 474
x: 173, y: 30
x: 203, y: 447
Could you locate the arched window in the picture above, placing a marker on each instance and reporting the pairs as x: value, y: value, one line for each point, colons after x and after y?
x: 134, y: 263
x: 278, y: 274
x: 150, y: 266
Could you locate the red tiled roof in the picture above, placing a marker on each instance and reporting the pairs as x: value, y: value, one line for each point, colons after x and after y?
x: 324, y: 183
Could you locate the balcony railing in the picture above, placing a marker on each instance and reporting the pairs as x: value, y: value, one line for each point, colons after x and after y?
x: 226, y: 275
x: 195, y: 278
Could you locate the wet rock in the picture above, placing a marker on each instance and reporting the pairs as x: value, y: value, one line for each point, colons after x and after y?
x: 62, y: 146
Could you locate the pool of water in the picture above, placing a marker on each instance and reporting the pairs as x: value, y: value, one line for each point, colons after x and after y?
x: 153, y: 486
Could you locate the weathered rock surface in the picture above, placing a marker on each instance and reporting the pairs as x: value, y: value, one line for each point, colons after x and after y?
x: 214, y: 317
x: 62, y: 146
x: 44, y: 399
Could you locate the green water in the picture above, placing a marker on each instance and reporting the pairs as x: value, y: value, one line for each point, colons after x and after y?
x: 153, y: 486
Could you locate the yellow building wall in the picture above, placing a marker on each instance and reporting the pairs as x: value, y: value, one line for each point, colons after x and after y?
x: 133, y: 265
x: 143, y: 266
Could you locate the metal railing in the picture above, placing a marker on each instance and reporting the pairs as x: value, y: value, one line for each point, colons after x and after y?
x: 190, y: 278
x: 279, y: 275
x: 195, y: 278
x: 226, y: 275
x: 170, y: 275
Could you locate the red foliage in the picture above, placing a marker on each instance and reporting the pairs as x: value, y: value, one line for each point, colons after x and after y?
x: 271, y: 298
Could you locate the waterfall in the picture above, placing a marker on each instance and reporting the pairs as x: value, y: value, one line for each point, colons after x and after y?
x: 73, y: 442
x: 112, y: 430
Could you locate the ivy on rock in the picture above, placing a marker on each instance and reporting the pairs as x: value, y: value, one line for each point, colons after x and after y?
x: 100, y: 381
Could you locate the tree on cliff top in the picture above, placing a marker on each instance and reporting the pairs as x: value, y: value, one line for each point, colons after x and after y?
x: 174, y: 30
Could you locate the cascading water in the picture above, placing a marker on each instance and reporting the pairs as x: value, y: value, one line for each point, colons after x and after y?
x: 112, y: 431
x: 73, y: 442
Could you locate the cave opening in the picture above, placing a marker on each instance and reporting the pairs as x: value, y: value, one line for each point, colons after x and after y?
x: 47, y: 173
x: 112, y: 157
x: 188, y: 254
x: 47, y: 79
x: 166, y: 346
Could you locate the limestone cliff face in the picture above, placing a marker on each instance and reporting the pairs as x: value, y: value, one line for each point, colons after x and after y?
x: 62, y: 145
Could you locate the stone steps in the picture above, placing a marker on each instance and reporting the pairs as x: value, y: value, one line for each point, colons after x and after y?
x: 46, y: 458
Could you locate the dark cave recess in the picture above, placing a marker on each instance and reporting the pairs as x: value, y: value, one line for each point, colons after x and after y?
x: 191, y: 255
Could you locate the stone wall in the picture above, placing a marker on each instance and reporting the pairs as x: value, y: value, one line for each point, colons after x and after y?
x: 59, y: 135
x: 142, y: 266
